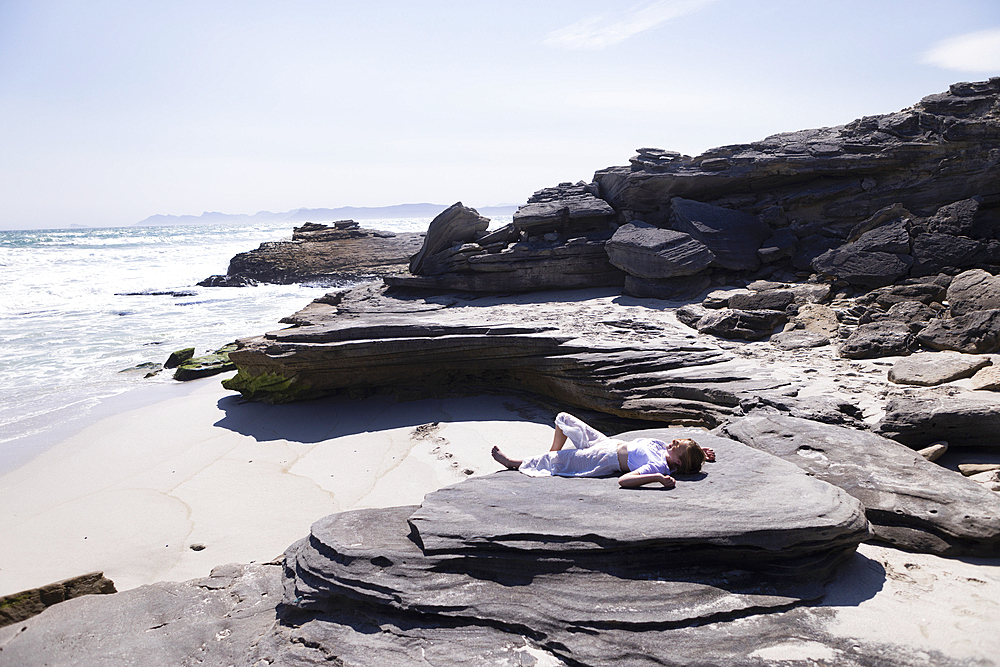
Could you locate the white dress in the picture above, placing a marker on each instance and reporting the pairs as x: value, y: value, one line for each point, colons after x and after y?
x: 595, y: 454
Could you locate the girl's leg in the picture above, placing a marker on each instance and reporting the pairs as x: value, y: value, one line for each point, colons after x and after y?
x: 558, y: 440
x: 504, y: 460
x: 579, y: 433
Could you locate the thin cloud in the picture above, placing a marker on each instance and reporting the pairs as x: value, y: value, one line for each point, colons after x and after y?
x: 599, y: 32
x: 973, y: 52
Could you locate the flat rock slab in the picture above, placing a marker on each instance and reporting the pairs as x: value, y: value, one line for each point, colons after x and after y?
x: 213, y: 622
x: 962, y: 421
x: 911, y: 503
x: 795, y: 340
x: 750, y: 509
x: 372, y: 557
x: 934, y: 368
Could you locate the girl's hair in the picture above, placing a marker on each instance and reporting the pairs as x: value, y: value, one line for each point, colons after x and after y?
x: 691, y: 456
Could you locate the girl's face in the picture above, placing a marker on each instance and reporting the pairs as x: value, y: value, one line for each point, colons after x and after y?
x: 673, y: 455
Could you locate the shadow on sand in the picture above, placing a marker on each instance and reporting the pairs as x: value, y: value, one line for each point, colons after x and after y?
x: 310, y: 422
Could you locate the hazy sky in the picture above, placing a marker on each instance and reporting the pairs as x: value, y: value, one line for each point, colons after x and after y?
x: 113, y: 111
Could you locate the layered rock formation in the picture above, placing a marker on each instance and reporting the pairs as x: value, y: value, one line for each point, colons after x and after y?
x: 556, y: 241
x: 375, y: 338
x: 342, y: 251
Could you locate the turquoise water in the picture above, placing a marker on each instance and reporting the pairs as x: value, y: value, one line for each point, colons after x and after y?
x: 66, y: 331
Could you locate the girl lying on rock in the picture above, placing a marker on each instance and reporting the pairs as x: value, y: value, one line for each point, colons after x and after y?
x: 644, y: 460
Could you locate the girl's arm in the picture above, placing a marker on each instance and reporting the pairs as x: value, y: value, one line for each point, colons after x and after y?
x: 632, y: 480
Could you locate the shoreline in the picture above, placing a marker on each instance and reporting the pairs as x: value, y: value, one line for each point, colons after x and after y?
x: 150, y: 474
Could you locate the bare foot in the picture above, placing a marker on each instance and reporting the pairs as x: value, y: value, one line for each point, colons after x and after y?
x: 504, y: 460
x: 709, y: 454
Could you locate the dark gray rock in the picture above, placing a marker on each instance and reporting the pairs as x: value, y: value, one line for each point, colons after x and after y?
x: 456, y: 224
x: 956, y: 219
x: 513, y: 513
x: 934, y: 252
x: 973, y: 290
x: 963, y: 421
x: 928, y: 369
x: 975, y: 333
x: 646, y: 251
x: 891, y: 237
x: 912, y: 313
x: 811, y: 247
x: 886, y: 338
x: 742, y: 324
x: 862, y: 267
x: 782, y: 244
x: 733, y: 236
x: 775, y: 299
x: 206, y: 365
x: 819, y: 408
x: 690, y: 313
x: 798, y: 339
x: 911, y: 503
x: 685, y: 287
x: 227, y: 281
x: 925, y: 293
x: 567, y: 208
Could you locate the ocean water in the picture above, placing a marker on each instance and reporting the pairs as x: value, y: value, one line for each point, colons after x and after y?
x: 67, y: 331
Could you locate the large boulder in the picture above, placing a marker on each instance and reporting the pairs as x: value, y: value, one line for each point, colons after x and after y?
x: 974, y: 333
x: 457, y: 224
x: 646, y: 251
x: 973, y: 290
x: 732, y: 235
x: 933, y: 368
x: 566, y: 209
x: 863, y: 267
x: 955, y: 219
x: 742, y: 324
x: 885, y: 338
x: 933, y: 253
x: 911, y: 503
x: 963, y: 421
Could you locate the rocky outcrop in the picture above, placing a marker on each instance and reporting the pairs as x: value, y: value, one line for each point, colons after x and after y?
x: 381, y: 339
x: 911, y: 503
x: 341, y: 252
x: 556, y: 241
x: 20, y: 606
x: 838, y: 175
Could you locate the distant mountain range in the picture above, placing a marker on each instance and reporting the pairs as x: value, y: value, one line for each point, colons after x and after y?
x: 320, y: 214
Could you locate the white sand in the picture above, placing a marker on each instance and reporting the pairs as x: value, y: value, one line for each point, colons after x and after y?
x: 130, y: 493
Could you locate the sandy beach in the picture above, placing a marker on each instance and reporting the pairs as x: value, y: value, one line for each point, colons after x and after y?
x: 130, y: 493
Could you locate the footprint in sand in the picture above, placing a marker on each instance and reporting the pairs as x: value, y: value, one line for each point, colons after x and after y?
x: 427, y: 432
